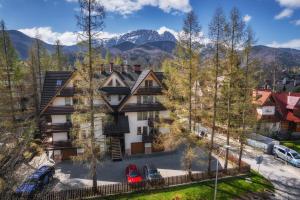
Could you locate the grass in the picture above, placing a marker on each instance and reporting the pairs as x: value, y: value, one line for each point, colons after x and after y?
x: 292, y: 144
x: 227, y: 189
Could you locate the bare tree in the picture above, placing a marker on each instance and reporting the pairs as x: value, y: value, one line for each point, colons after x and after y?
x: 91, y: 21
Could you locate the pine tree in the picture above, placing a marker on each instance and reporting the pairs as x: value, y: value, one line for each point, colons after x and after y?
x: 91, y: 21
x: 8, y: 63
x: 235, y: 32
x: 181, y: 76
x: 248, y: 85
x: 217, y: 36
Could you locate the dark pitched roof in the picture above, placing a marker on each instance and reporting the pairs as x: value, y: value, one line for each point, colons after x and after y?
x: 53, y: 82
x: 142, y: 76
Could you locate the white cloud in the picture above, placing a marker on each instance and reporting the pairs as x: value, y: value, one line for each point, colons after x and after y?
x: 125, y: 7
x: 289, y: 3
x: 296, y: 22
x: 284, y: 14
x: 247, y: 18
x: 295, y: 44
x: 67, y: 38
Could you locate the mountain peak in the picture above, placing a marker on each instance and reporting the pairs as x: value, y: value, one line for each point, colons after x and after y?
x: 140, y: 37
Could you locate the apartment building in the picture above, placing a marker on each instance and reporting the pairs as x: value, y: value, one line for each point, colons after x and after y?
x: 131, y: 97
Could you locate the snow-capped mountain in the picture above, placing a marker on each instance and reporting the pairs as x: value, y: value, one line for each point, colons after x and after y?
x: 139, y: 37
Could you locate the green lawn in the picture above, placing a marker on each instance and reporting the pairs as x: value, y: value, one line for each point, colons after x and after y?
x: 227, y: 189
x: 292, y: 144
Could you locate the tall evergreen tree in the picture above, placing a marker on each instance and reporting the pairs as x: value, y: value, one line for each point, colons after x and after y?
x: 181, y: 76
x: 91, y: 21
x: 235, y: 33
x: 217, y: 36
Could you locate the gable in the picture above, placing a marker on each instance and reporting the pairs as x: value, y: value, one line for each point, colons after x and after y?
x: 114, y: 80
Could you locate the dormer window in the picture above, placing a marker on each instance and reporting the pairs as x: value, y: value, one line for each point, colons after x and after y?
x: 148, y: 83
x: 58, y: 82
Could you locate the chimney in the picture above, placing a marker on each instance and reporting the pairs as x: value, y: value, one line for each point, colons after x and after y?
x: 137, y: 69
x: 122, y: 68
x: 111, y: 69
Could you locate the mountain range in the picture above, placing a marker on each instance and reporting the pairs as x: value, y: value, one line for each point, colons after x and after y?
x: 148, y: 47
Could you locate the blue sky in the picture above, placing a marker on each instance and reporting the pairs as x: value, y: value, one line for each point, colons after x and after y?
x: 275, y: 22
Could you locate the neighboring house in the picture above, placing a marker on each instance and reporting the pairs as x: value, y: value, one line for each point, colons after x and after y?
x: 132, y: 99
x: 278, y: 112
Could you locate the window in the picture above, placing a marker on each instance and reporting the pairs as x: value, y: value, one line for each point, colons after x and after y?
x: 156, y: 114
x: 150, y: 115
x: 139, y: 116
x: 139, y: 130
x: 148, y: 83
x: 58, y: 82
x: 68, y: 101
x: 145, y: 130
x: 108, y: 97
x: 139, y: 99
x: 68, y: 117
x: 148, y: 99
x: 145, y: 116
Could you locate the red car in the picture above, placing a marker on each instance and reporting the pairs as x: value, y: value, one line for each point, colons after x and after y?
x: 132, y: 174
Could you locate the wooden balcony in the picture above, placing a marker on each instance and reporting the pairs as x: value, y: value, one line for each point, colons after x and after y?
x: 67, y: 92
x: 149, y: 138
x: 58, y: 144
x: 135, y: 107
x: 149, y: 91
x: 59, y: 110
x: 56, y: 127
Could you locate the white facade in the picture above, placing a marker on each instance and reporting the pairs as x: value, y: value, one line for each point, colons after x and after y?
x: 266, y: 110
x: 58, y: 137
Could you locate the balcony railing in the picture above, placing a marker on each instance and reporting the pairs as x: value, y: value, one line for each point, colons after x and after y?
x: 67, y: 92
x: 59, y: 110
x: 135, y: 107
x: 56, y: 127
x: 149, y: 90
x: 58, y: 144
x: 149, y: 138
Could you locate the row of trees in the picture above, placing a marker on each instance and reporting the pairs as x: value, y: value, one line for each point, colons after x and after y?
x: 215, y: 91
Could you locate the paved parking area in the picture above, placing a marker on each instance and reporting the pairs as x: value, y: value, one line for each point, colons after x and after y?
x: 74, y: 175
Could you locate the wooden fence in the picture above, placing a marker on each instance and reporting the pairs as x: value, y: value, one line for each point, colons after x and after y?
x: 120, y: 188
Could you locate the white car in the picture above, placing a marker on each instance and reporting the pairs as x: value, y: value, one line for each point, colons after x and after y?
x: 287, y: 155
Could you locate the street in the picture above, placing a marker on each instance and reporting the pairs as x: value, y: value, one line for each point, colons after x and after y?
x: 285, y: 178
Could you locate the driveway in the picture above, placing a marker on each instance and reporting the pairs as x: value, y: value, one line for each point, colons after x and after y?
x: 74, y: 175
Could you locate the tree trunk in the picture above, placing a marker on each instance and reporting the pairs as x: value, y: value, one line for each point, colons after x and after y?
x: 244, y: 112
x: 229, y: 98
x: 8, y: 73
x: 35, y: 91
x: 215, y: 106
x: 92, y: 112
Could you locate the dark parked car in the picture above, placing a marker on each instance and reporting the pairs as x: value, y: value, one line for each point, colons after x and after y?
x: 152, y: 174
x: 36, y: 181
x: 132, y: 174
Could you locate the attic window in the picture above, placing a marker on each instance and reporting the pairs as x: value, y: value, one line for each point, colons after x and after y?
x: 58, y: 82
